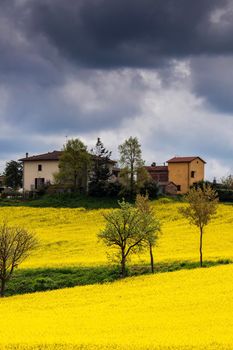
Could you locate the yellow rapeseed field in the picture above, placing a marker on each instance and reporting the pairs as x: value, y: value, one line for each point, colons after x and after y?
x: 68, y: 236
x: 185, y: 310
x: 180, y: 310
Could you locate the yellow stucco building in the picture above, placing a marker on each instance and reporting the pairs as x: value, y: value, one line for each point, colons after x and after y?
x: 185, y: 171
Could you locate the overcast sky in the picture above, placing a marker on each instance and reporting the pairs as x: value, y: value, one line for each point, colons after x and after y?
x: 161, y: 70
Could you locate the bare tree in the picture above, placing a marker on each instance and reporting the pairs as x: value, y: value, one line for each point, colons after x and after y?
x: 16, y: 243
x: 202, y: 205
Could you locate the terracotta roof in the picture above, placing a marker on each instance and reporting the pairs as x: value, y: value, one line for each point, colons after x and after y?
x: 45, y: 156
x: 157, y: 168
x: 165, y: 183
x: 183, y: 159
x: 55, y: 155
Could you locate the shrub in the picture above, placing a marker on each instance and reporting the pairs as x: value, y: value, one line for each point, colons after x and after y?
x: 97, y: 189
x: 44, y: 283
x: 113, y: 189
x: 150, y: 188
x: 225, y: 195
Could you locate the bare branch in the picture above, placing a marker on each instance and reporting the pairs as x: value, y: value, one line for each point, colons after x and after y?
x: 15, y: 246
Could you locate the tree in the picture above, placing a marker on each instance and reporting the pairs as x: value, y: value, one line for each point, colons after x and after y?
x: 227, y: 182
x: 101, y: 158
x: 15, y: 246
x: 123, y: 231
x: 149, y: 224
x: 202, y: 206
x: 150, y: 188
x: 13, y: 174
x: 131, y: 161
x: 100, y: 172
x: 73, y: 165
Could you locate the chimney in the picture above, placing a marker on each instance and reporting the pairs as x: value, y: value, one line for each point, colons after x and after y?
x: 27, y: 155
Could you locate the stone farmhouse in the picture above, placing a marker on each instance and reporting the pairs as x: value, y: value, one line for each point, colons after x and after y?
x: 174, y: 178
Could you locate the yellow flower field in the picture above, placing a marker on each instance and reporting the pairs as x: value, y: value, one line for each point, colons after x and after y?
x: 68, y: 236
x: 179, y: 310
x: 185, y: 310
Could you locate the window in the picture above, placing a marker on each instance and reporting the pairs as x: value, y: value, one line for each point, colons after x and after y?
x: 39, y: 167
x: 178, y: 187
x: 192, y: 173
x: 39, y: 182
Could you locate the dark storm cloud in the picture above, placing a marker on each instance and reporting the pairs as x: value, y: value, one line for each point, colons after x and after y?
x: 212, y: 78
x: 103, y: 33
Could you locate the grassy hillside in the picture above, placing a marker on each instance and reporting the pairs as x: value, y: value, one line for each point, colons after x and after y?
x: 68, y: 236
x: 179, y: 310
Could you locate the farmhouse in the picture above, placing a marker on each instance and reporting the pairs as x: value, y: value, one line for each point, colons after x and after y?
x: 39, y: 170
x: 174, y: 178
x: 185, y: 172
x: 179, y: 175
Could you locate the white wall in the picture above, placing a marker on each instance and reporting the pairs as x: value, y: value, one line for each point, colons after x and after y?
x: 31, y: 172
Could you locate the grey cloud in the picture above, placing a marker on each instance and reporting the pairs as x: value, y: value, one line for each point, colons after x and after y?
x: 85, y: 102
x: 130, y: 33
x: 212, y: 78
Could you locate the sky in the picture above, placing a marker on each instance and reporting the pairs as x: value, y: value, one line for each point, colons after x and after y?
x: 158, y: 70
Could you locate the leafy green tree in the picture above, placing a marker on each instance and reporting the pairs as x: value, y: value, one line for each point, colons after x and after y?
x: 150, y: 225
x: 16, y: 244
x: 202, y: 206
x: 131, y: 161
x: 123, y: 232
x: 14, y: 174
x: 74, y: 164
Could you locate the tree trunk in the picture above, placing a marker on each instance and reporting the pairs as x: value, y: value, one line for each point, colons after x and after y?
x: 201, y: 234
x: 151, y: 259
x: 2, y: 288
x: 123, y: 269
x: 131, y: 181
x: 75, y: 182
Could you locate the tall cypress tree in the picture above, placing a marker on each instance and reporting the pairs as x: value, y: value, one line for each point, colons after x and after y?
x: 100, y: 169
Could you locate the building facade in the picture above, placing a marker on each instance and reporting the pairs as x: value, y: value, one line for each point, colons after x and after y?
x: 159, y: 173
x: 185, y: 171
x: 179, y: 175
x: 39, y: 170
